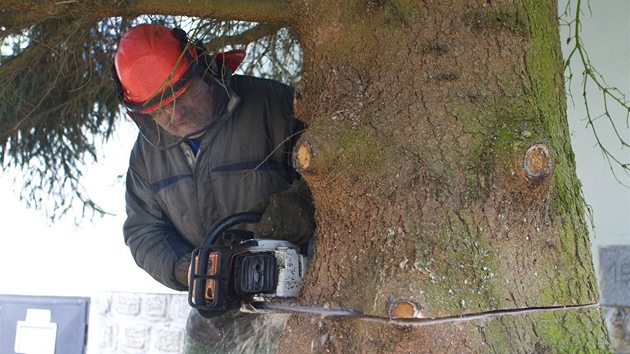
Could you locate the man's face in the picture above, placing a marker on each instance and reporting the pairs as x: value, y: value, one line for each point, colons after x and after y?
x: 188, y: 113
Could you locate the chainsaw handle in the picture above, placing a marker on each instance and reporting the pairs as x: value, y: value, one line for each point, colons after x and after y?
x: 226, y: 223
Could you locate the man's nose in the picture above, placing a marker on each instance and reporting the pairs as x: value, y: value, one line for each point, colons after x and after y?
x: 181, y: 111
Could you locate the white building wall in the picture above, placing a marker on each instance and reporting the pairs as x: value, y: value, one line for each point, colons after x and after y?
x: 606, y: 38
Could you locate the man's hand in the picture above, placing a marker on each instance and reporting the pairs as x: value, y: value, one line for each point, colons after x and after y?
x: 289, y: 215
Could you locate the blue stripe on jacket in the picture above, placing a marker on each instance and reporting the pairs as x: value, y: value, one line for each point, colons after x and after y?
x: 177, y: 243
x: 269, y: 165
x: 161, y: 184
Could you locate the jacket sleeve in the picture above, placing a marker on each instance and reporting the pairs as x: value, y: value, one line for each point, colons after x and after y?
x: 155, y: 244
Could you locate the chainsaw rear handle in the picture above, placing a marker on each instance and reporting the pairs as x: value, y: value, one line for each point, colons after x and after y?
x: 226, y: 223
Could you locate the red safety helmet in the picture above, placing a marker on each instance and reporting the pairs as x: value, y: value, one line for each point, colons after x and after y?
x: 152, y: 67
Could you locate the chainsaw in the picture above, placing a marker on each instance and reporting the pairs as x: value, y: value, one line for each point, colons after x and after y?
x: 233, y: 269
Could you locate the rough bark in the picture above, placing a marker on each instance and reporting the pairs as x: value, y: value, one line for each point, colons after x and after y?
x: 439, y: 158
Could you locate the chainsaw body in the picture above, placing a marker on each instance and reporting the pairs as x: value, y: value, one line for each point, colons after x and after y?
x: 231, y: 267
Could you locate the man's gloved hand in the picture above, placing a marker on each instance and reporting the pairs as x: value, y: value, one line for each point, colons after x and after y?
x: 289, y: 215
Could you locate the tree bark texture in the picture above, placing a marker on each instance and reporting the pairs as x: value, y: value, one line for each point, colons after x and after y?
x: 439, y: 158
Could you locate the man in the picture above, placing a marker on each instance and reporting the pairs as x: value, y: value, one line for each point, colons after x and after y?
x: 212, y: 144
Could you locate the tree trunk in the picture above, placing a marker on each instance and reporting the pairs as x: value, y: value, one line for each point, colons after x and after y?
x: 448, y: 208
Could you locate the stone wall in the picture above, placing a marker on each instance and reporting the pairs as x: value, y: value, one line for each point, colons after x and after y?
x: 137, y: 323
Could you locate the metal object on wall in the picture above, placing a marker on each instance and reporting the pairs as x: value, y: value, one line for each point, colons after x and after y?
x: 614, y: 269
x: 43, y: 324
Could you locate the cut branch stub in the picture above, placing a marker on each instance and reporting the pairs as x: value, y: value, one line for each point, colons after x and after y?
x: 404, y: 309
x: 302, y: 155
x: 537, y: 163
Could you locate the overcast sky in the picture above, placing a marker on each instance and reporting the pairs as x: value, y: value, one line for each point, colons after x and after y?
x: 65, y: 259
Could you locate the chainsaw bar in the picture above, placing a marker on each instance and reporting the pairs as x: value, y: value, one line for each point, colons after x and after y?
x: 266, y: 308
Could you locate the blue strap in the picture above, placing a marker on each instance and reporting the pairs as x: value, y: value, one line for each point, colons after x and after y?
x: 193, y: 146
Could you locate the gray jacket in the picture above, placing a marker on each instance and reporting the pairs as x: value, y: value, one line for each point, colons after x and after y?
x: 174, y: 197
